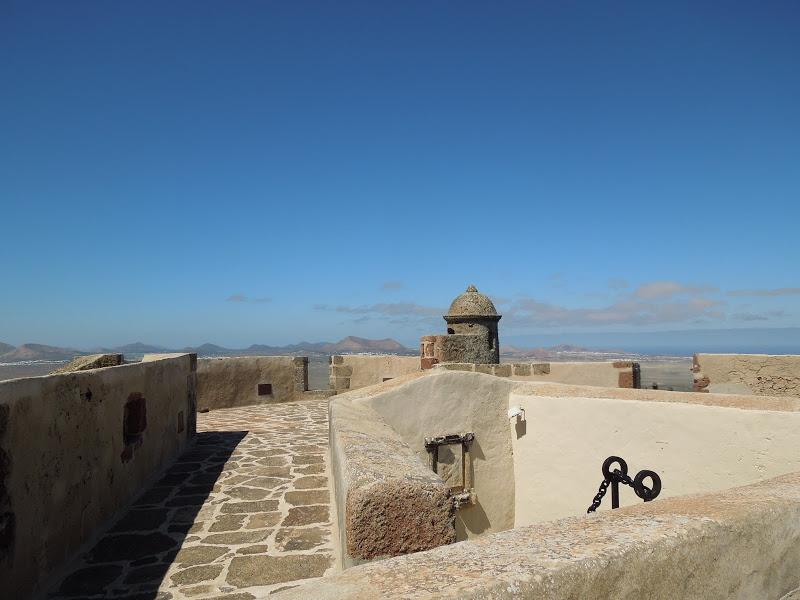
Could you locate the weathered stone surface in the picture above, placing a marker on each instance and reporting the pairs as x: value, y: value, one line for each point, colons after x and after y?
x: 311, y: 481
x: 199, y: 555
x: 222, y: 464
x: 142, y: 520
x: 311, y: 469
x: 740, y: 543
x: 522, y: 369
x: 148, y: 574
x: 391, y: 518
x: 502, y: 370
x: 308, y: 459
x: 250, y: 507
x: 248, y: 493
x: 89, y: 581
x: 92, y: 361
x: 228, y: 522
x: 261, y: 520
x: 305, y: 538
x: 306, y: 515
x: 255, y: 549
x: 236, y: 537
x: 541, y: 369
x: 196, y: 574
x: 305, y: 497
x: 626, y: 380
x: 268, y: 570
x: 130, y: 547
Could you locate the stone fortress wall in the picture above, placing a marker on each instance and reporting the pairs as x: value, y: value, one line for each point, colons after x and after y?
x: 252, y: 380
x: 621, y: 373
x: 77, y: 448
x: 354, y: 371
x: 564, y: 434
x: 545, y: 465
x: 759, y: 374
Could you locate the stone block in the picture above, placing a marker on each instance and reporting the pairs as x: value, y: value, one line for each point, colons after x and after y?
x: 541, y: 368
x: 93, y: 361
x: 488, y: 369
x: 428, y: 363
x: 337, y: 360
x: 502, y: 370
x: 340, y: 383
x: 622, y: 364
x: 522, y: 369
x: 342, y: 371
x: 457, y: 366
x: 398, y: 517
x: 625, y: 379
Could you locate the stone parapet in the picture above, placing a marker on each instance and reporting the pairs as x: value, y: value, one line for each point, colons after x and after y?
x: 757, y: 374
x: 741, y: 543
x: 354, y: 371
x: 388, y: 502
x: 75, y: 448
x: 250, y: 380
x: 92, y: 361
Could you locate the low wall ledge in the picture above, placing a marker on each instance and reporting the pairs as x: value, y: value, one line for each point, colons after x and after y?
x: 741, y: 543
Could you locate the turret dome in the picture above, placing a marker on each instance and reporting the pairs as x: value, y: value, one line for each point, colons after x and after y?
x: 472, y: 304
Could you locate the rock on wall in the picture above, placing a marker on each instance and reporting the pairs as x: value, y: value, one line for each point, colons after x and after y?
x: 75, y: 449
x: 248, y: 380
x: 92, y: 361
x: 354, y: 371
x: 758, y: 374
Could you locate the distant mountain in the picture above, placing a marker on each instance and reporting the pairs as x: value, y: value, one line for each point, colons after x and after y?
x: 139, y: 348
x: 40, y: 352
x: 210, y: 350
x: 351, y: 344
x: 348, y: 345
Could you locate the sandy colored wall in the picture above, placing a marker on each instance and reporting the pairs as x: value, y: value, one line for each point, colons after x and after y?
x: 743, y: 544
x: 67, y: 469
x: 616, y: 374
x: 353, y: 371
x: 559, y: 449
x: 388, y: 503
x: 228, y: 382
x: 603, y: 374
x: 446, y: 402
x: 759, y: 374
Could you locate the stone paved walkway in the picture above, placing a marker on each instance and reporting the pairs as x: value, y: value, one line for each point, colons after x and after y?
x: 243, y: 513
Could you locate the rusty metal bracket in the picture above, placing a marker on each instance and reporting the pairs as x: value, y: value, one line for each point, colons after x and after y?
x: 465, y: 493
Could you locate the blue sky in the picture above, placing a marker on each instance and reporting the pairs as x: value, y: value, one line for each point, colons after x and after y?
x: 265, y: 172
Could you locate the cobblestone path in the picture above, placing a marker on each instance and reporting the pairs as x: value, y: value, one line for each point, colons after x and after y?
x: 243, y: 513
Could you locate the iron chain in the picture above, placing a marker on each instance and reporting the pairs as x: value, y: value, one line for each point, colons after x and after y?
x: 598, y: 497
x: 622, y: 476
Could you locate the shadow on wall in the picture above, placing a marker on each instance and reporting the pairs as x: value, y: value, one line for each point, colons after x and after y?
x: 472, y: 517
x: 134, y: 555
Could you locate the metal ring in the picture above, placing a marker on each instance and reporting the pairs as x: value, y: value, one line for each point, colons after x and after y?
x: 644, y: 492
x: 607, y: 473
